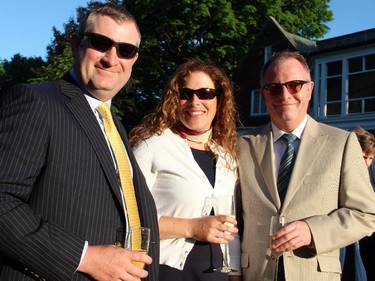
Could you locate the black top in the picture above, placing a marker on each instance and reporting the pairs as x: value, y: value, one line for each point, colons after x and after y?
x: 207, y: 161
x: 204, y: 256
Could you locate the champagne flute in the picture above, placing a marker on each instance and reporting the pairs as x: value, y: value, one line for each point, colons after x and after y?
x: 225, y: 206
x: 138, y: 239
x: 276, y: 223
x: 209, y: 203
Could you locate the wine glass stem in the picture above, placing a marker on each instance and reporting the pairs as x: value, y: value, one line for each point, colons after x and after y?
x: 225, y: 257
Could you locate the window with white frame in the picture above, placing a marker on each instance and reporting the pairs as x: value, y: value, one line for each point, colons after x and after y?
x: 345, y: 85
x: 258, y: 107
x: 267, y: 53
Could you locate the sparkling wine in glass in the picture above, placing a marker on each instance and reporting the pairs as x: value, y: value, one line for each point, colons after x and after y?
x: 276, y: 223
x: 138, y: 239
x: 225, y: 206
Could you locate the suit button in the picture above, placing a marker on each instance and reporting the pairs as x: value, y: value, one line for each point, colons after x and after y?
x: 273, y: 257
x: 118, y: 244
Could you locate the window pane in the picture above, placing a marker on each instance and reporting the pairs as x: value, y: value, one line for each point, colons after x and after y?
x: 263, y: 107
x: 333, y: 109
x: 258, y: 107
x: 334, y: 68
x: 255, y: 105
x: 355, y: 64
x: 370, y: 62
x: 355, y: 106
x: 370, y: 105
x: 362, y: 85
x: 334, y: 89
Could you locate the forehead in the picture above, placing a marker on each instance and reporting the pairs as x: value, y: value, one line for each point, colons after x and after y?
x: 286, y: 70
x: 120, y: 31
x: 199, y: 77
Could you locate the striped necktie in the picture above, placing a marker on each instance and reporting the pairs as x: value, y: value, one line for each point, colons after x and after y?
x: 286, y: 166
x: 123, y: 166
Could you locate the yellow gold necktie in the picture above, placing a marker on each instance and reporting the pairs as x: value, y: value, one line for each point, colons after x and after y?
x: 123, y: 167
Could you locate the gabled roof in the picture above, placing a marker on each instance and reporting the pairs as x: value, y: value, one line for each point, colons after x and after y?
x: 301, y: 44
x: 309, y: 47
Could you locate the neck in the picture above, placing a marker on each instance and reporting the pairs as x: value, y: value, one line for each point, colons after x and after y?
x: 193, y: 135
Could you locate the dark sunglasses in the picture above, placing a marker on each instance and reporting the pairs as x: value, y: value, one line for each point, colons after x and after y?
x: 102, y: 44
x: 202, y: 93
x: 293, y: 87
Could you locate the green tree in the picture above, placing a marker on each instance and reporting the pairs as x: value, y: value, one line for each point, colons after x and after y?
x: 20, y: 69
x: 218, y: 30
x: 173, y: 31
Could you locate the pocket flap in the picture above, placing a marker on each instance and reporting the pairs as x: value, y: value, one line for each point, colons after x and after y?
x: 329, y: 264
x: 245, y: 257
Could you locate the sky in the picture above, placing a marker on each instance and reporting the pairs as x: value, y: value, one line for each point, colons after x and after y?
x: 27, y: 24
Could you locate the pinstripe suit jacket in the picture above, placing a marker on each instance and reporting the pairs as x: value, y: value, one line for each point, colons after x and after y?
x: 329, y: 189
x: 58, y: 185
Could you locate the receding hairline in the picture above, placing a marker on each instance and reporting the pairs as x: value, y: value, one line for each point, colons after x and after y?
x: 281, y: 57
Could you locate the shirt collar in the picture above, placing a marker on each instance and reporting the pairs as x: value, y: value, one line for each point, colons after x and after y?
x: 277, y: 133
x: 93, y: 102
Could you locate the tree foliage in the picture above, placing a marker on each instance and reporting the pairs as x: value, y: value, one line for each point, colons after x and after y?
x: 221, y: 31
x: 218, y: 30
x: 20, y: 70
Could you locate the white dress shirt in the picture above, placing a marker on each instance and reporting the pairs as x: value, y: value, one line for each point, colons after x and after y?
x: 279, y: 146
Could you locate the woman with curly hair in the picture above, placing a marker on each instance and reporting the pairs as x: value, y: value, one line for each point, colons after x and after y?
x: 187, y: 150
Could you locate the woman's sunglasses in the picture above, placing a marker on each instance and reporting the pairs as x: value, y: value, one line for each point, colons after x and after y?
x: 202, y: 93
x: 102, y: 44
x: 293, y: 87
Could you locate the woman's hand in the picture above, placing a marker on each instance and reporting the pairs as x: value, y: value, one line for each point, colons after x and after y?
x: 214, y: 229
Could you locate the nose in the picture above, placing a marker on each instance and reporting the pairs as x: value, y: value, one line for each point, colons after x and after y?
x: 285, y: 92
x: 194, y: 99
x: 111, y: 55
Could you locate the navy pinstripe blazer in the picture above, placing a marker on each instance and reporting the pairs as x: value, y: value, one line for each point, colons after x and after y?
x: 58, y: 185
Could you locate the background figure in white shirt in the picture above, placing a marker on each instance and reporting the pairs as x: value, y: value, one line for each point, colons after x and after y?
x: 187, y: 150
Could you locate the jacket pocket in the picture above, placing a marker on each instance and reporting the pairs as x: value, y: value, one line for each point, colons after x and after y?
x: 245, y: 257
x: 328, y: 264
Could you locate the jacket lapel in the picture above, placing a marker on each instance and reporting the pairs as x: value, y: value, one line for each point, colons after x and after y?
x: 312, y: 141
x: 262, y: 145
x: 81, y: 110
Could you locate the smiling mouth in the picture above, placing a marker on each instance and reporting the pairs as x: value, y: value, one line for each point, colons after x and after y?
x: 195, y: 113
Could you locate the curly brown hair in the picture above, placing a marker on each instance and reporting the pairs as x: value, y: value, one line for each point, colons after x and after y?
x: 366, y: 140
x: 165, y: 115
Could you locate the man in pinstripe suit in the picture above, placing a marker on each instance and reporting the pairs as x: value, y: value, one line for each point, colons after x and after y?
x: 61, y: 208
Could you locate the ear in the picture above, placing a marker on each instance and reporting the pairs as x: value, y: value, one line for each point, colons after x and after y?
x: 312, y: 85
x: 75, y: 42
x: 262, y: 92
x: 135, y: 57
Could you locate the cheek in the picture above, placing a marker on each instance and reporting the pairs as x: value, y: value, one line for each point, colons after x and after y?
x: 180, y: 108
x: 86, y: 61
x: 214, y: 109
x: 126, y: 66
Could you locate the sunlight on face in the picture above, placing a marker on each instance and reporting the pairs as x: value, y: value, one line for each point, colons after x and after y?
x: 194, y: 113
x: 103, y: 74
x: 287, y: 110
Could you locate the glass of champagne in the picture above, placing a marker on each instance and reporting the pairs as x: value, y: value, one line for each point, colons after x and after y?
x: 138, y: 239
x: 225, y: 206
x: 276, y: 223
